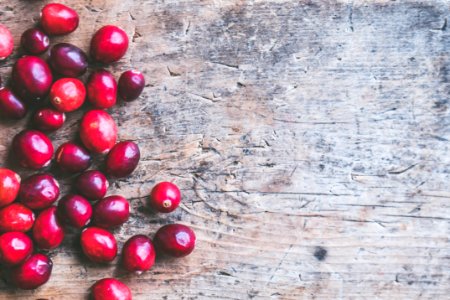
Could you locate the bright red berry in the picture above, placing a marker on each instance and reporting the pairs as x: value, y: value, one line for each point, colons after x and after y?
x: 10, y: 105
x: 138, y: 254
x: 68, y: 60
x: 102, y: 89
x: 98, y: 131
x: 92, y: 185
x: 67, y: 94
x: 15, y: 247
x: 175, y: 240
x: 165, y: 197
x: 34, y: 41
x: 111, y: 211
x: 6, y: 42
x: 131, y: 85
x: 98, y: 244
x: 109, y: 44
x: 33, y: 149
x: 123, y: 159
x: 9, y: 186
x: 48, y: 119
x: 33, y: 273
x: 39, y: 191
x: 58, y: 19
x: 72, y: 158
x: 75, y: 210
x: 16, y: 217
x: 110, y: 289
x: 48, y: 232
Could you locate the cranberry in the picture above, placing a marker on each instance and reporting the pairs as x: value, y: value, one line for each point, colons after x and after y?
x: 122, y: 159
x: 75, y: 210
x: 176, y: 240
x: 9, y: 186
x: 102, y: 89
x: 11, y: 106
x: 98, y: 131
x: 92, y: 185
x: 16, y: 217
x: 138, y: 254
x: 48, y: 119
x: 33, y: 149
x: 58, y: 19
x: 109, y: 44
x: 39, y: 191
x: 68, y: 60
x: 131, y: 85
x: 67, y: 94
x: 31, y: 78
x: 33, y: 273
x: 165, y: 197
x: 110, y: 289
x: 111, y: 211
x: 72, y: 158
x: 6, y: 42
x: 98, y: 244
x: 15, y: 247
x: 34, y: 41
x: 48, y: 232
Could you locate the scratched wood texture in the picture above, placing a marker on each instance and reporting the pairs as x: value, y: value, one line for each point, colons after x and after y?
x: 310, y: 140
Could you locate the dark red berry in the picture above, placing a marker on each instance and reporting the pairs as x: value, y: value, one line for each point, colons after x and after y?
x: 175, y: 240
x: 67, y: 94
x: 111, y: 211
x: 109, y: 44
x: 31, y: 78
x: 58, y: 19
x: 165, y: 197
x: 75, y: 210
x: 110, y: 289
x: 92, y: 185
x: 98, y: 244
x: 16, y: 217
x: 98, y: 131
x: 102, y: 89
x: 138, y: 254
x: 72, y: 158
x: 131, y: 85
x: 33, y: 149
x: 15, y: 247
x: 48, y: 119
x: 9, y: 186
x: 48, y: 232
x: 68, y: 60
x: 33, y: 273
x: 34, y: 41
x: 6, y: 42
x: 11, y: 106
x: 123, y: 159
x: 39, y: 191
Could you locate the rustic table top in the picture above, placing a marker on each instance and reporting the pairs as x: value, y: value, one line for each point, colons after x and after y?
x: 310, y: 140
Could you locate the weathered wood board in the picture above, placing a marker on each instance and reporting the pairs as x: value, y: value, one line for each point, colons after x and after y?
x: 310, y: 140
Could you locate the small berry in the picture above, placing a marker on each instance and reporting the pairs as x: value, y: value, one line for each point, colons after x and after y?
x: 48, y: 232
x: 67, y: 94
x: 6, y: 42
x: 102, y: 89
x: 98, y: 244
x: 39, y: 191
x: 34, y: 41
x: 175, y: 240
x: 138, y: 254
x: 110, y: 289
x: 75, y: 210
x: 68, y: 60
x: 33, y: 149
x: 15, y: 247
x: 109, y: 44
x: 9, y: 186
x: 10, y: 105
x: 48, y: 119
x: 165, y: 197
x: 131, y: 85
x: 16, y: 217
x: 92, y: 185
x: 58, y: 19
x: 72, y: 158
x: 33, y: 273
x: 123, y: 159
x: 31, y: 78
x: 98, y: 131
x: 111, y: 211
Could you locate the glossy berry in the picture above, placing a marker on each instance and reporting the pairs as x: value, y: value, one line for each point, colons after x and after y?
x: 31, y: 78
x: 33, y: 273
x: 33, y: 149
x: 72, y: 158
x: 58, y: 19
x: 123, y: 159
x: 68, y: 60
x: 98, y: 244
x: 16, y: 217
x: 39, y: 191
x: 175, y: 240
x: 102, y: 89
x: 15, y: 247
x: 48, y: 232
x: 92, y: 185
x: 131, y: 85
x: 10, y: 105
x: 111, y: 211
x: 165, y: 197
x: 109, y: 44
x: 75, y: 210
x: 98, y: 131
x: 9, y: 186
x: 6, y: 42
x: 67, y: 94
x: 48, y: 119
x: 110, y: 289
x: 138, y: 254
x: 34, y: 41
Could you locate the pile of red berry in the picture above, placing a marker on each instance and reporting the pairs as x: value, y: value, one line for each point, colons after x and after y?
x: 33, y: 87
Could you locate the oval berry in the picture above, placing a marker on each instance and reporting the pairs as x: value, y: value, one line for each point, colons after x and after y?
x: 33, y: 149
x: 98, y: 245
x: 131, y: 85
x: 175, y: 240
x: 33, y: 273
x: 10, y: 105
x: 123, y: 159
x: 16, y: 217
x: 68, y: 60
x: 75, y: 210
x: 48, y: 119
x: 138, y: 254
x: 72, y: 158
x: 111, y: 211
x: 67, y: 94
x: 58, y: 19
x: 102, y: 89
x: 48, y: 232
x: 92, y: 185
x: 109, y: 44
x: 9, y: 186
x: 39, y: 191
x: 31, y: 78
x: 110, y: 289
x: 6, y: 42
x: 165, y: 197
x: 98, y: 131
x: 34, y: 41
x: 15, y: 247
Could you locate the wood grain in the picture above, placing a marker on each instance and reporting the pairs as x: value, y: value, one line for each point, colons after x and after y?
x: 310, y: 140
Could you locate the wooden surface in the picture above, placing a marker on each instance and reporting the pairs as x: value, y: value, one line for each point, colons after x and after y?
x: 310, y: 140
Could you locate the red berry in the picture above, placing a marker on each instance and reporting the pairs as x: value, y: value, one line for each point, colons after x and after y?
x: 67, y: 94
x: 58, y: 19
x: 33, y: 149
x: 39, y: 191
x: 68, y: 60
x: 72, y: 158
x: 31, y: 78
x: 9, y: 186
x: 102, y: 89
x: 92, y: 185
x: 48, y: 232
x: 122, y: 159
x: 16, y: 217
x: 33, y: 273
x: 138, y: 254
x: 34, y: 41
x: 15, y: 247
x: 48, y: 119
x: 131, y: 85
x: 111, y: 211
x: 98, y: 131
x: 109, y: 44
x: 6, y: 42
x: 11, y: 106
x: 75, y: 210
x: 98, y: 244
x: 165, y: 197
x: 175, y: 240
x: 110, y: 289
